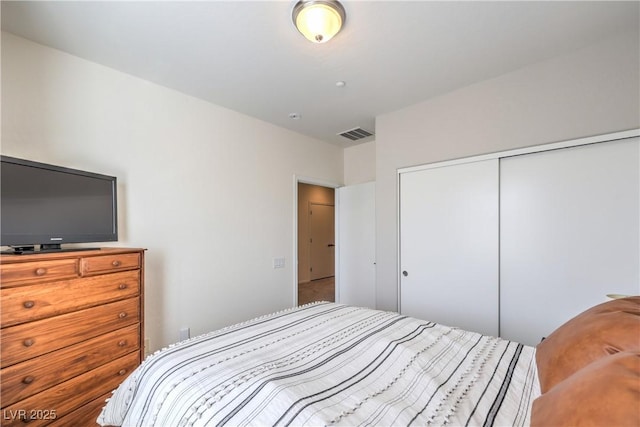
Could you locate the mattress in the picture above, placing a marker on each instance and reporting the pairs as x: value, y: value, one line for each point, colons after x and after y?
x: 331, y: 364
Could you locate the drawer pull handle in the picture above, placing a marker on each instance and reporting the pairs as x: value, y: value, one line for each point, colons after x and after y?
x: 122, y: 372
x: 122, y: 315
x: 122, y: 286
x: 41, y: 271
x: 28, y: 342
x: 28, y: 304
x: 116, y: 263
x: 28, y: 379
x: 122, y: 343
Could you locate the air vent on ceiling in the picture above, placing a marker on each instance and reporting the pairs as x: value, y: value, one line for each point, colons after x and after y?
x: 355, y: 134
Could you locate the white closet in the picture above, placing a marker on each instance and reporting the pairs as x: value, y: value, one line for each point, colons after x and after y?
x: 566, y: 233
x: 449, y: 239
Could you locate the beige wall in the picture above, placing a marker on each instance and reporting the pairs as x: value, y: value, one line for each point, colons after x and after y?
x: 308, y: 193
x: 592, y: 91
x: 206, y: 190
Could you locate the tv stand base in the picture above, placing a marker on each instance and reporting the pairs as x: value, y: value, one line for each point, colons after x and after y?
x: 31, y: 250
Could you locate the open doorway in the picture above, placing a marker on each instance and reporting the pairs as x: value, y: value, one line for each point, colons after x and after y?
x: 316, y: 243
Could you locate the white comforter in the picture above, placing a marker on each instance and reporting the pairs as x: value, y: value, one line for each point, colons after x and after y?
x: 331, y: 364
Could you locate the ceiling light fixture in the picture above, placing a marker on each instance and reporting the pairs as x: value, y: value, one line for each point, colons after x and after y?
x: 318, y: 20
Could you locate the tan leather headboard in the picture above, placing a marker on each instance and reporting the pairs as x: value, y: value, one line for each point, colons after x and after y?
x: 602, y: 330
x: 589, y: 369
x: 604, y: 393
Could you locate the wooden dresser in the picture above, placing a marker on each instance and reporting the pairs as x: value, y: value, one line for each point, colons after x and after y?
x: 72, y: 330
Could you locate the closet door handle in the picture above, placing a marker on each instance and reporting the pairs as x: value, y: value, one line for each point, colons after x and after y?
x: 404, y: 273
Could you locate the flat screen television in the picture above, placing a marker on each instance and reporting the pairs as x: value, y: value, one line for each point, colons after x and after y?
x: 45, y: 205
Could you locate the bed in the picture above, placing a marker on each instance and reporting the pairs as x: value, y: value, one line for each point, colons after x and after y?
x: 333, y: 364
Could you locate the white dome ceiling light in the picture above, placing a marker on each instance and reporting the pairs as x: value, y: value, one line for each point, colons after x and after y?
x: 318, y: 20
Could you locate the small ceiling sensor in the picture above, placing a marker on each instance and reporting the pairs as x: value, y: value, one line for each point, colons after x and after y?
x: 294, y: 116
x: 340, y: 83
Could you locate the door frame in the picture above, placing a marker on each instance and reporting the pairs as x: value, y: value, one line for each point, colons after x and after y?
x: 324, y: 183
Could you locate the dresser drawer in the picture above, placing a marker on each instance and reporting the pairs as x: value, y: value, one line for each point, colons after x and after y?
x: 109, y: 263
x: 32, y: 302
x: 40, y: 271
x: 68, y: 396
x: 29, y: 340
x: 32, y: 376
x: 85, y: 416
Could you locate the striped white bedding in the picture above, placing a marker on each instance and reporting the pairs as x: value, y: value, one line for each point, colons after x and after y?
x: 331, y: 364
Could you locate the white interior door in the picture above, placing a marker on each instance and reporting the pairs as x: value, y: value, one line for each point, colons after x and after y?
x: 449, y: 245
x: 356, y: 277
x: 569, y: 234
x: 322, y: 240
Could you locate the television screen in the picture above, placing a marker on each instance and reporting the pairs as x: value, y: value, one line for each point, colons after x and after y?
x: 49, y: 205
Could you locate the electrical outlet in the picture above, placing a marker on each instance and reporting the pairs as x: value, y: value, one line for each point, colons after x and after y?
x: 278, y: 262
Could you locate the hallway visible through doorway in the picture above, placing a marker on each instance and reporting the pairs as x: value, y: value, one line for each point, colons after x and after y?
x: 316, y: 243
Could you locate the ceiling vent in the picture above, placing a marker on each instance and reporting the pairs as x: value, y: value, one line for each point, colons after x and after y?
x: 355, y: 134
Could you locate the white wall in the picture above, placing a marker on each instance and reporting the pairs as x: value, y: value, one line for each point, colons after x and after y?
x: 360, y: 163
x: 592, y: 91
x: 206, y: 190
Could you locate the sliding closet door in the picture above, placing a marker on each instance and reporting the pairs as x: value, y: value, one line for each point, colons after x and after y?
x: 449, y: 245
x: 569, y: 234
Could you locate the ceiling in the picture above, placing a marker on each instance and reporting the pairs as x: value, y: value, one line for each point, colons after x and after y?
x: 247, y: 55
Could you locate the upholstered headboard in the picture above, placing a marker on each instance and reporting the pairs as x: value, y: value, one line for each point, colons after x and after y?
x: 589, y: 368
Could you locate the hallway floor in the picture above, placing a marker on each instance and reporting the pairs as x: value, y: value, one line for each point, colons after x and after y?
x: 317, y: 290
